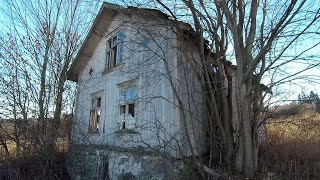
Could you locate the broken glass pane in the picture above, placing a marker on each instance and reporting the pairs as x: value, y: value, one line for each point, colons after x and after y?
x: 123, y: 94
x: 131, y: 109
x: 98, y: 102
x: 122, y: 109
x: 131, y: 94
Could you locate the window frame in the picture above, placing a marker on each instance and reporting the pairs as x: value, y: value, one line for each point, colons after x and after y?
x: 95, y: 113
x: 114, y: 50
x: 124, y: 106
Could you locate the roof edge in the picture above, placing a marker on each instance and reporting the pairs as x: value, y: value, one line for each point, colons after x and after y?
x: 70, y: 74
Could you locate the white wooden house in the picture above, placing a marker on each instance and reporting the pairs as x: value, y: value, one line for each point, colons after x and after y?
x: 139, y: 106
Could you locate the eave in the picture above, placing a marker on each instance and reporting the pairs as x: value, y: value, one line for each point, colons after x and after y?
x: 103, y: 19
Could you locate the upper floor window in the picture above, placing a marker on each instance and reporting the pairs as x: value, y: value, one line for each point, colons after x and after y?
x: 114, y: 54
x: 95, y: 114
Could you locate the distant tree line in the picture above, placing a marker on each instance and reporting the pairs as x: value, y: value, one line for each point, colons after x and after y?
x: 312, y: 98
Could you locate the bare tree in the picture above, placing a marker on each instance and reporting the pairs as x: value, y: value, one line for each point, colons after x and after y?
x: 271, y: 44
x: 38, y: 42
x: 263, y: 35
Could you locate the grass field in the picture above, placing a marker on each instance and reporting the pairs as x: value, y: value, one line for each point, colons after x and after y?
x: 293, y: 147
x: 292, y: 151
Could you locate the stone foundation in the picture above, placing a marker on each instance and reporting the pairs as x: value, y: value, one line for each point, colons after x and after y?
x: 97, y: 162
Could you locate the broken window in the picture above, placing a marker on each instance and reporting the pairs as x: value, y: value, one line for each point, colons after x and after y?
x: 114, y: 54
x: 95, y: 114
x: 127, y: 108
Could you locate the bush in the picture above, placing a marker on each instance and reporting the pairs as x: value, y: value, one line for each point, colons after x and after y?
x: 35, y: 167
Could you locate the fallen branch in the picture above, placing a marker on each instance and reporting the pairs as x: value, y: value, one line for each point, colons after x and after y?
x: 212, y: 172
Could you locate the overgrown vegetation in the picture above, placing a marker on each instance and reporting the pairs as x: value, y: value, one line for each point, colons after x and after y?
x: 35, y: 167
x: 262, y: 35
x: 26, y: 158
x: 38, y: 41
x: 293, y: 147
x: 43, y: 38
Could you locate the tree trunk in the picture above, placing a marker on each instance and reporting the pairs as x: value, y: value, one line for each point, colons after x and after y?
x: 246, y: 130
x: 3, y: 143
x: 42, y: 93
x: 226, y: 114
x: 239, y: 159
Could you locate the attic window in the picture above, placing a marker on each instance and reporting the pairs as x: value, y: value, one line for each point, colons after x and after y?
x: 114, y: 51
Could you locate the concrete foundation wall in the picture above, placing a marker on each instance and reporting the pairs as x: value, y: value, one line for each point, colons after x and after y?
x: 88, y: 162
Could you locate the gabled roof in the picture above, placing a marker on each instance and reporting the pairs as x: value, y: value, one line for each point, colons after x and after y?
x: 106, y: 14
x: 104, y: 18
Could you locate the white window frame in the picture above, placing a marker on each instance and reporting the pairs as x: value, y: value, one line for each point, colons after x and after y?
x: 95, y: 114
x: 127, y: 116
x: 114, y: 50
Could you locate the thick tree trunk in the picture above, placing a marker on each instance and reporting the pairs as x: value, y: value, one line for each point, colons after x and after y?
x: 226, y: 114
x: 255, y: 154
x: 239, y: 159
x: 246, y: 130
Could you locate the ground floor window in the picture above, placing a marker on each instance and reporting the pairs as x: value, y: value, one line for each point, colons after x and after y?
x: 95, y: 114
x: 127, y: 108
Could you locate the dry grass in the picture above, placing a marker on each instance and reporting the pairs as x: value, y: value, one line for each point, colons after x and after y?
x: 30, y: 165
x: 293, y: 148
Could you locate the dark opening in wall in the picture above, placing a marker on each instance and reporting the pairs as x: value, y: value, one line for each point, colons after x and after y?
x: 105, y: 168
x: 128, y: 176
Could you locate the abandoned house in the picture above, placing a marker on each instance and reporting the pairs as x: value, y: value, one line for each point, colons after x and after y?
x: 139, y: 106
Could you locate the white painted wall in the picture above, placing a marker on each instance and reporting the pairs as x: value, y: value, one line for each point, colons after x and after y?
x: 157, y: 122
